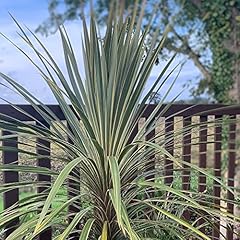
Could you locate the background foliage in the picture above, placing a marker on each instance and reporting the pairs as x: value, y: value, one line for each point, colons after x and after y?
x: 207, y: 32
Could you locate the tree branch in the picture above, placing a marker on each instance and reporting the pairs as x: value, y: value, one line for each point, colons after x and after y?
x: 187, y: 50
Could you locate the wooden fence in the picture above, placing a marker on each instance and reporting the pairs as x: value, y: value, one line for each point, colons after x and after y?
x: 184, y: 111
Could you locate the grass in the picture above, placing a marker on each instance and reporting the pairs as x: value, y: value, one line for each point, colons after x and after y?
x: 23, y: 194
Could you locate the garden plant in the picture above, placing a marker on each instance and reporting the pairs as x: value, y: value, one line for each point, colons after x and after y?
x: 116, y: 191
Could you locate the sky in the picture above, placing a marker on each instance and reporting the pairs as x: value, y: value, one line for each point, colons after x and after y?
x: 32, y: 13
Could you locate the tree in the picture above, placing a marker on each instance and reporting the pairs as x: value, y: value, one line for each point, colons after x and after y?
x: 222, y: 29
x: 207, y: 32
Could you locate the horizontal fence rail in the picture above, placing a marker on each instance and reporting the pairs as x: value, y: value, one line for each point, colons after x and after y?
x: 187, y: 112
x: 183, y: 110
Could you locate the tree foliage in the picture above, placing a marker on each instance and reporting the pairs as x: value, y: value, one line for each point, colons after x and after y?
x: 221, y: 27
x: 207, y: 32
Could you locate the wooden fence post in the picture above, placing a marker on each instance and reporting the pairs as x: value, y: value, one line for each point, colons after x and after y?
x: 73, y: 190
x: 217, y: 170
x: 186, y: 158
x: 231, y: 170
x: 43, y: 151
x: 168, y: 165
x: 203, y: 137
x: 10, y: 197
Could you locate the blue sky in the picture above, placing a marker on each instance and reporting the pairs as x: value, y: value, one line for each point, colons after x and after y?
x: 32, y: 13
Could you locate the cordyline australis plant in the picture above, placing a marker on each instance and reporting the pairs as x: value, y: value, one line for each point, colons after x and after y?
x: 121, y: 195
